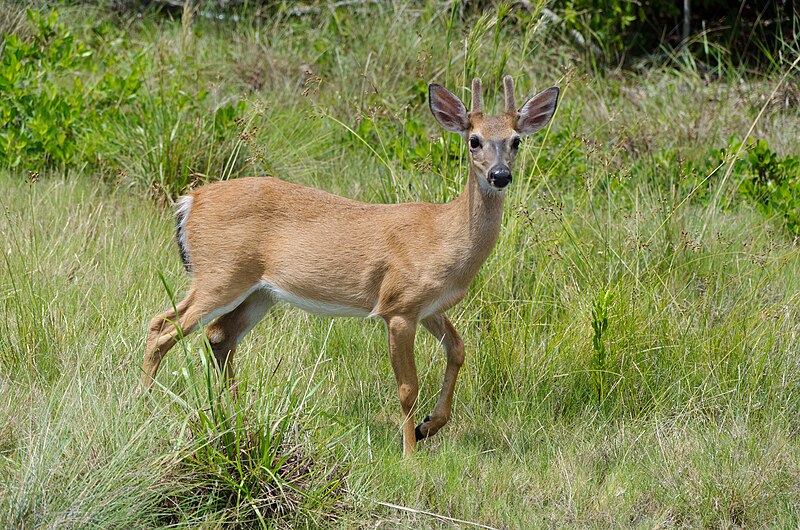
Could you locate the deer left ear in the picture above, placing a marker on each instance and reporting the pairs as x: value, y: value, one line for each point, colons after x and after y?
x: 537, y: 111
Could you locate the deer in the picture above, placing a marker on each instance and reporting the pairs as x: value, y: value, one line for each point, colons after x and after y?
x: 250, y: 243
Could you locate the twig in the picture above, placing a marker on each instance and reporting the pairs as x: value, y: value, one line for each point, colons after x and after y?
x: 435, y: 515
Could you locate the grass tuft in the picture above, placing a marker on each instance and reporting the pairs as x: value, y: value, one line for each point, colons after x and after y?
x: 260, y: 461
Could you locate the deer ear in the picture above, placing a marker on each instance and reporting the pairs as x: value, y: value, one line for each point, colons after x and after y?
x: 537, y: 111
x: 448, y: 109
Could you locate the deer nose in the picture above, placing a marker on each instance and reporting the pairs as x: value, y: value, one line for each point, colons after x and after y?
x: 499, y: 176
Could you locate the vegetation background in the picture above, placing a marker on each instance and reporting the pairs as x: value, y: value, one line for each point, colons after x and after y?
x: 632, y: 343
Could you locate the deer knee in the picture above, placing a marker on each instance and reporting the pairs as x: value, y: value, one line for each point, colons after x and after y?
x: 408, y: 396
x: 456, y: 353
x: 155, y: 328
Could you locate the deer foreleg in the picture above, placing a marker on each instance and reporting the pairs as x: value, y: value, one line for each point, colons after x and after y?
x: 401, y: 333
x: 441, y: 328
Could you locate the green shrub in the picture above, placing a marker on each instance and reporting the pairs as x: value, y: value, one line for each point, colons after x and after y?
x: 39, y: 113
x: 608, y: 24
x: 616, y: 29
x: 100, y: 103
x: 53, y: 90
x: 772, y: 184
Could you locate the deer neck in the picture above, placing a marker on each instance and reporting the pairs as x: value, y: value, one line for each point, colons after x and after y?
x: 478, y: 216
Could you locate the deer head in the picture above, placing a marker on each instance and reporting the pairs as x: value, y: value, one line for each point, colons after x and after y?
x: 493, y: 140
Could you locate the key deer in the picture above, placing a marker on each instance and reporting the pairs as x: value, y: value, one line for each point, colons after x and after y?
x: 253, y: 242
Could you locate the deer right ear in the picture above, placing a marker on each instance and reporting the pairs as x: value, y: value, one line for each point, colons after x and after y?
x: 448, y: 110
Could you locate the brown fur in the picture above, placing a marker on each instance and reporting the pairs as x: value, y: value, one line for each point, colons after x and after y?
x: 250, y: 239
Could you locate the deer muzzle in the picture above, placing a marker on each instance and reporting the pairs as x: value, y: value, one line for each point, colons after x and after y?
x: 499, y: 177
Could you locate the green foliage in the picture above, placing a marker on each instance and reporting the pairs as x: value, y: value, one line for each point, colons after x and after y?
x: 772, y: 184
x: 69, y: 102
x: 42, y: 104
x: 615, y: 30
x: 55, y: 88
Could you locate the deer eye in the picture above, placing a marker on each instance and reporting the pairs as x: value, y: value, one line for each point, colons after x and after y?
x: 515, y: 143
x: 474, y: 142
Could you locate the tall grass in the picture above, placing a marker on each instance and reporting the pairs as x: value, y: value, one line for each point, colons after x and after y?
x: 630, y: 360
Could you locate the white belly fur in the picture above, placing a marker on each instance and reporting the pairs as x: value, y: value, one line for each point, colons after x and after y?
x: 336, y: 310
x: 313, y: 306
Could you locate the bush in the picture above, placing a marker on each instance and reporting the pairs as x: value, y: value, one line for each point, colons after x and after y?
x: 98, y: 102
x: 40, y: 114
x: 53, y: 91
x: 772, y: 184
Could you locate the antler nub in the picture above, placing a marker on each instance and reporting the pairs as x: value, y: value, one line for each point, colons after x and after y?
x: 477, y: 99
x: 511, y: 106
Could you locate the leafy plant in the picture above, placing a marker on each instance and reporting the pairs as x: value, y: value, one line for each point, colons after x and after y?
x: 613, y: 30
x: 40, y: 113
x: 772, y: 184
x: 607, y: 23
x: 600, y: 326
x: 49, y: 101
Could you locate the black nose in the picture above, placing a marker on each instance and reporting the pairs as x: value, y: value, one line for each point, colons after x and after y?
x: 499, y: 177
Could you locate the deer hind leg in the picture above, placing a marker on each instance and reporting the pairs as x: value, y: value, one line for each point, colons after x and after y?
x: 162, y: 334
x: 226, y: 332
x: 202, y: 304
x: 401, y: 333
x: 440, y: 327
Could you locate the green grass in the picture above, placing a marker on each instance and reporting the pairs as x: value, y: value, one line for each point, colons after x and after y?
x: 681, y: 412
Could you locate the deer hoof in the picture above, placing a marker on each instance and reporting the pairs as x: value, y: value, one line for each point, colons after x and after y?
x: 418, y: 432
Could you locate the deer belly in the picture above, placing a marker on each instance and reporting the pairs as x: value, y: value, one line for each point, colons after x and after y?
x: 317, y: 307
